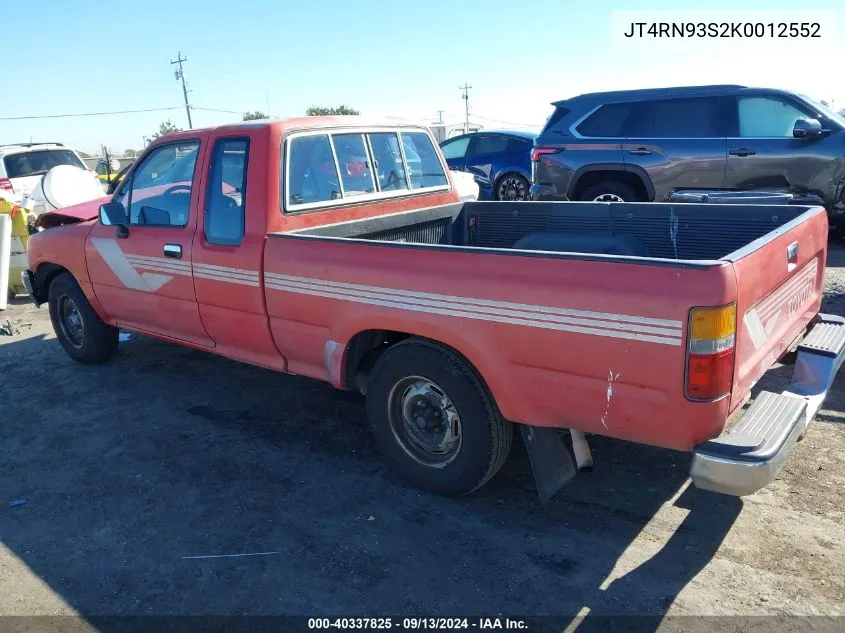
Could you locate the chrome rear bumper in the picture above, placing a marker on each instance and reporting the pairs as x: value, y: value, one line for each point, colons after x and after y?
x: 752, y: 454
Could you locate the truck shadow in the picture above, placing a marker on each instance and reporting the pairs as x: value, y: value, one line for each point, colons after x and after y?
x: 166, y: 453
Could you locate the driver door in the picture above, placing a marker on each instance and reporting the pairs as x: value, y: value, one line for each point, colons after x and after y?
x: 141, y: 272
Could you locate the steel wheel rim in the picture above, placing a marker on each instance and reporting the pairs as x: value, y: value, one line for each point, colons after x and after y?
x: 608, y: 197
x: 512, y: 189
x: 424, y: 421
x: 70, y: 320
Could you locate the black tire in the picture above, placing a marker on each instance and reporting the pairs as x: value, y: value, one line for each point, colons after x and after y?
x: 611, y: 190
x: 94, y: 342
x: 485, y: 438
x: 511, y: 182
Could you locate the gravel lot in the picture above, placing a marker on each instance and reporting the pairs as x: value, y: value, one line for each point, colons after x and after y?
x: 131, y: 469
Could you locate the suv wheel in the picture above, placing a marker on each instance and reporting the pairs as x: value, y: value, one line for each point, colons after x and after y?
x: 609, y: 191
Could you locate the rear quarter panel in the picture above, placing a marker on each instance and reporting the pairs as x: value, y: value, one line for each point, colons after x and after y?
x: 587, y: 378
x: 776, y: 300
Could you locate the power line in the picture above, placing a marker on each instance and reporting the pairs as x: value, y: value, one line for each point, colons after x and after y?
x: 180, y: 74
x: 63, y: 116
x: 485, y: 118
x: 215, y: 110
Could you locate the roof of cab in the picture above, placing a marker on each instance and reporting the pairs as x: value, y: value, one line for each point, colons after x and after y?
x: 309, y: 123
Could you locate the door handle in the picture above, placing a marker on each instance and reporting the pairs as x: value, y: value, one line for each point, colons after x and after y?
x: 641, y: 151
x: 742, y: 151
x: 173, y: 250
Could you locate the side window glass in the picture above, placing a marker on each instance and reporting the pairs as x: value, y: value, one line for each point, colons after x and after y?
x: 160, y: 191
x: 351, y: 152
x: 767, y: 116
x: 225, y: 199
x: 696, y: 117
x: 424, y: 166
x: 455, y: 149
x: 608, y: 121
x: 388, y: 161
x: 489, y: 145
x: 312, y: 175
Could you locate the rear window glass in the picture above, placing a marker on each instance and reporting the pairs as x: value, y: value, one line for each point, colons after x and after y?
x: 608, y: 121
x: 678, y: 118
x: 39, y: 162
x: 519, y: 146
x: 354, y: 164
x: 554, y: 121
x: 424, y: 166
x: 388, y: 161
x: 312, y: 176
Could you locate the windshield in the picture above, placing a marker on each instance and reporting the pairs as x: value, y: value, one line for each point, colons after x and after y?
x: 826, y: 111
x: 39, y: 162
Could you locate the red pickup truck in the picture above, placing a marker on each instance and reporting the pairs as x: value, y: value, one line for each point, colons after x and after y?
x: 337, y: 248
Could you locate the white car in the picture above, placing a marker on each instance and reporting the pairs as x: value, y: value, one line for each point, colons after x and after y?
x: 22, y: 165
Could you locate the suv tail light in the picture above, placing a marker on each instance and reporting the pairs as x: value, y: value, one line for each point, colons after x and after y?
x: 6, y: 185
x: 538, y: 152
x: 710, y: 353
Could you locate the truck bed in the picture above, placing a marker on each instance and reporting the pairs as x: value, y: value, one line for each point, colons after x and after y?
x: 575, y: 314
x: 687, y: 234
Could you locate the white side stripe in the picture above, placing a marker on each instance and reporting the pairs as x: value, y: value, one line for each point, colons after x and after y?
x: 473, y: 302
x: 232, y: 280
x: 599, y: 328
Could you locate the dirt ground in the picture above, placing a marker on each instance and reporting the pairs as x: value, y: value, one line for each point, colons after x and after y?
x: 134, y: 473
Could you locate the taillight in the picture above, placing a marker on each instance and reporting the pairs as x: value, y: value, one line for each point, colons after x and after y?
x: 6, y: 185
x: 538, y: 152
x: 710, y: 352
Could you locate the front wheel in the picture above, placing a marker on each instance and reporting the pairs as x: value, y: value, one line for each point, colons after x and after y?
x: 81, y: 332
x: 434, y: 420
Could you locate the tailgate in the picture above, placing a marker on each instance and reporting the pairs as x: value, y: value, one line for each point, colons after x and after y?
x: 779, y: 290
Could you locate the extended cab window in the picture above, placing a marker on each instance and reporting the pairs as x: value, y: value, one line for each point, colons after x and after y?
x: 608, y: 121
x: 424, y: 165
x: 324, y: 168
x: 226, y: 196
x: 159, y: 193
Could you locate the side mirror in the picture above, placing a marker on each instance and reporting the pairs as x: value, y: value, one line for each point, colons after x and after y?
x: 113, y: 214
x: 806, y: 128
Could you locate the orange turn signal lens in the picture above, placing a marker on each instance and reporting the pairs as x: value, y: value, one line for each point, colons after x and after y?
x: 713, y: 323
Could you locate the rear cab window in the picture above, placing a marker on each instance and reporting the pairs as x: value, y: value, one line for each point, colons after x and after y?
x: 38, y: 162
x: 225, y: 198
x: 330, y: 167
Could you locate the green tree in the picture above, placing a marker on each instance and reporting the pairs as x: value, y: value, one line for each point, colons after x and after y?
x: 131, y: 153
x: 254, y: 116
x: 166, y: 127
x: 85, y: 155
x: 322, y: 111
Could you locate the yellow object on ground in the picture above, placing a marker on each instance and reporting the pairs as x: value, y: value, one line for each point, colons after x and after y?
x: 20, y: 238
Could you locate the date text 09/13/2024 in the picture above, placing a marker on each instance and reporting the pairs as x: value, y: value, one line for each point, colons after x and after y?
x: 416, y: 623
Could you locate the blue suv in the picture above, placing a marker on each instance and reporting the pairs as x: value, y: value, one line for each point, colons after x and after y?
x: 500, y: 162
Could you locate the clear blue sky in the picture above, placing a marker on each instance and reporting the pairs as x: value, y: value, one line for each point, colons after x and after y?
x: 392, y: 57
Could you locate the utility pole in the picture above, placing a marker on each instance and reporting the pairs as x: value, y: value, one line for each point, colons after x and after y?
x: 440, y: 116
x: 180, y: 74
x: 466, y: 88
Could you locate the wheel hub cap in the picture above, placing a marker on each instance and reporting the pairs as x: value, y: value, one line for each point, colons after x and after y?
x: 425, y: 421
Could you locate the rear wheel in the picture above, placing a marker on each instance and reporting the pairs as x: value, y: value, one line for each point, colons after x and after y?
x: 610, y: 191
x: 81, y: 332
x: 512, y: 187
x: 434, y: 420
